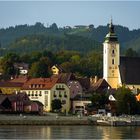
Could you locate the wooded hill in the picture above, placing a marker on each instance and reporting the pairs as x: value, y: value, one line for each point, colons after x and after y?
x: 28, y: 38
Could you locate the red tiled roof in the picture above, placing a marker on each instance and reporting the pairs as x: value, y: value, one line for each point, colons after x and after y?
x: 45, y: 83
x: 10, y: 84
x: 20, y: 79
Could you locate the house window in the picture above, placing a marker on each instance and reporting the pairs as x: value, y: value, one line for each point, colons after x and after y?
x: 65, y: 95
x: 60, y: 94
x: 113, y: 62
x: 40, y: 93
x: 46, y: 100
x: 46, y: 92
x: 54, y: 95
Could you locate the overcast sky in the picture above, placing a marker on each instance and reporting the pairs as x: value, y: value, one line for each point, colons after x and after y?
x: 70, y: 13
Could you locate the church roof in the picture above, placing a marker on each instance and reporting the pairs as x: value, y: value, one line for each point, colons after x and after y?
x: 129, y: 70
x: 111, y: 36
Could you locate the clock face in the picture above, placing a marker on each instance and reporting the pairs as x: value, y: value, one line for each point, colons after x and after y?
x: 113, y: 46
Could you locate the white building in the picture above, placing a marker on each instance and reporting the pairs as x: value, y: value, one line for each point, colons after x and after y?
x: 45, y: 90
x: 118, y: 70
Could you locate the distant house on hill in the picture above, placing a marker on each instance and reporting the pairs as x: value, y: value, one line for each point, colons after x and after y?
x: 56, y: 69
x: 22, y: 67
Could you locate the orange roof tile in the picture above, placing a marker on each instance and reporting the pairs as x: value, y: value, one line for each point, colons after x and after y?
x: 138, y: 97
x: 20, y: 79
x: 39, y: 83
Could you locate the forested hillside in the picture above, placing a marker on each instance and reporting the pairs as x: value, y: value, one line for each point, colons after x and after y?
x: 84, y: 39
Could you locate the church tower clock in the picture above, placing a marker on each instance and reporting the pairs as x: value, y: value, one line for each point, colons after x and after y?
x: 111, y: 58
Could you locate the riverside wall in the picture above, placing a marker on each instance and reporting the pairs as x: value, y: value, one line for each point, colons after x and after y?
x: 44, y: 120
x: 67, y: 120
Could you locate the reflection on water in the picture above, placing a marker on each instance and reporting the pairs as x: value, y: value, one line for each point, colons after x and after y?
x: 68, y: 132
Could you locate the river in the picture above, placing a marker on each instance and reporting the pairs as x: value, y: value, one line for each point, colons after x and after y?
x: 68, y: 132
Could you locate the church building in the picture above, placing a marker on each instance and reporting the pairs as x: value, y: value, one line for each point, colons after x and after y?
x: 119, y: 70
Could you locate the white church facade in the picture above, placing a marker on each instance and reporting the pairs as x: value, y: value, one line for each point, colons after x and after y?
x: 118, y: 70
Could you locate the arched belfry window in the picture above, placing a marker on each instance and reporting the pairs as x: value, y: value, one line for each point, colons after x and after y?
x: 113, y: 62
x: 113, y: 51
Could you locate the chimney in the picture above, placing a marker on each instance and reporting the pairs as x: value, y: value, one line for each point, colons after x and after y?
x: 95, y: 79
x: 16, y: 92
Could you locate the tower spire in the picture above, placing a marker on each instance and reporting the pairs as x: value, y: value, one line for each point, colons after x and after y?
x: 111, y: 36
x: 111, y: 21
x: 111, y: 26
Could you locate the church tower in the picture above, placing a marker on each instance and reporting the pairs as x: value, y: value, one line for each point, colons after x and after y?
x: 111, y: 57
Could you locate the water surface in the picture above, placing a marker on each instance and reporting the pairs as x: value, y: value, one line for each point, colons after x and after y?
x: 68, y: 132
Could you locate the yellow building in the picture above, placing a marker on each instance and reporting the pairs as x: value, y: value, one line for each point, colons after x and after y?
x: 118, y: 70
x: 62, y: 92
x: 56, y: 70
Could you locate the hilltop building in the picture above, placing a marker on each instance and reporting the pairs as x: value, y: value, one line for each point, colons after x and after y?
x: 118, y: 70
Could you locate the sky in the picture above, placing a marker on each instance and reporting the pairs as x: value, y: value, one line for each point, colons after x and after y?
x: 70, y: 13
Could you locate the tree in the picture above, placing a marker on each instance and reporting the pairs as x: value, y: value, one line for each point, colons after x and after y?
x: 126, y: 101
x: 11, y: 57
x: 54, y: 27
x: 131, y: 53
x: 7, y: 64
x: 8, y: 68
x: 99, y: 100
x: 39, y: 69
x: 56, y: 105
